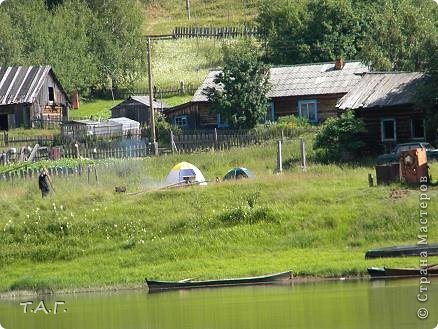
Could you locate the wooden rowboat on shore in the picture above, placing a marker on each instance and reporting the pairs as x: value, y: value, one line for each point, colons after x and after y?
x: 189, y: 284
x: 403, y: 251
x: 385, y: 272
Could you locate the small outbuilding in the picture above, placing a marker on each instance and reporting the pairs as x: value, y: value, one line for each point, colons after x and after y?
x: 137, y: 108
x: 84, y: 128
x: 129, y: 127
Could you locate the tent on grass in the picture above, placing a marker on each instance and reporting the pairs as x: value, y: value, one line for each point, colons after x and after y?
x: 184, y: 173
x: 237, y: 173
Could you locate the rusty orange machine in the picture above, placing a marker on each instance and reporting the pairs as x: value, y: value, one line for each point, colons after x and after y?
x: 413, y: 165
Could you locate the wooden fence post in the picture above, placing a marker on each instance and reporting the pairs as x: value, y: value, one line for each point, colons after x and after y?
x: 95, y: 174
x: 303, y: 154
x: 279, y: 158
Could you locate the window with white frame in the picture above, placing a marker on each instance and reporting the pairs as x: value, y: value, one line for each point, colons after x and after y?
x: 308, y: 109
x: 388, y: 130
x: 417, y: 129
x: 181, y: 121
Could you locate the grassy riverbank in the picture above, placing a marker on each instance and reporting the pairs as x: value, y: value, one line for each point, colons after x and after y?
x: 317, y: 223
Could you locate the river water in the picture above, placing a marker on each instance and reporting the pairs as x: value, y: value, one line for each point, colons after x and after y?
x: 322, y: 305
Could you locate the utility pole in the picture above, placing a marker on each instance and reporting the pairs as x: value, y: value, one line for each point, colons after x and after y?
x: 188, y: 8
x: 151, y: 99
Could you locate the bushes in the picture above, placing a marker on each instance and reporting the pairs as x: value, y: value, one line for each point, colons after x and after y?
x: 340, y: 138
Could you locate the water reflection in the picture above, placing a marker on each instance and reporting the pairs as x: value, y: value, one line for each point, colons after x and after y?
x: 327, y: 305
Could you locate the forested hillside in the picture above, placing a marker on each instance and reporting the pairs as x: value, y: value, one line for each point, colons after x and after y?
x: 97, y: 43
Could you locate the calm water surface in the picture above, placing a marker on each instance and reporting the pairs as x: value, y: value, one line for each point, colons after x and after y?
x: 323, y: 305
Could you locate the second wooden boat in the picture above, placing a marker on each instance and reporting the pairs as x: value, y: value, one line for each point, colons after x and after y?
x: 385, y: 272
x: 403, y: 251
x: 188, y: 283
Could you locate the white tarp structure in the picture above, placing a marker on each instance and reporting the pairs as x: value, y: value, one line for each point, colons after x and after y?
x: 128, y: 125
x: 185, y: 173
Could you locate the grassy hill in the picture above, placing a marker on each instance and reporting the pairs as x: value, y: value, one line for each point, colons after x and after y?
x: 161, y: 16
x: 316, y: 223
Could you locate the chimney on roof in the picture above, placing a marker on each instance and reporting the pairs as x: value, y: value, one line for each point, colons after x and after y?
x: 339, y: 64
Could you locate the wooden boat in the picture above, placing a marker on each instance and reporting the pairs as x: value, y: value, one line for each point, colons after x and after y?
x: 403, y: 251
x: 188, y: 283
x: 385, y: 272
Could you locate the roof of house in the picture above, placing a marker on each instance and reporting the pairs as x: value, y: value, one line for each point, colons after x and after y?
x: 144, y: 99
x: 382, y: 89
x: 302, y: 80
x: 21, y: 84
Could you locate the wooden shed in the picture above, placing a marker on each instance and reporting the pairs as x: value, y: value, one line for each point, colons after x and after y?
x: 136, y: 108
x: 307, y: 90
x: 29, y: 96
x: 386, y: 104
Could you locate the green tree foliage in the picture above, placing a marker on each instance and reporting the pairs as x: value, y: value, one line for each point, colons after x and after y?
x: 241, y: 102
x: 309, y: 30
x: 400, y: 35
x: 388, y: 34
x: 119, y: 44
x: 86, y: 42
x: 70, y: 48
x: 10, y: 46
x: 427, y: 95
x: 340, y: 138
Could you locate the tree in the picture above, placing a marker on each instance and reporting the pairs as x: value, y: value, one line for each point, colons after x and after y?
x: 70, y: 48
x: 241, y: 102
x: 340, y: 138
x: 427, y: 95
x: 10, y: 45
x: 400, y: 34
x: 118, y: 40
x: 309, y: 30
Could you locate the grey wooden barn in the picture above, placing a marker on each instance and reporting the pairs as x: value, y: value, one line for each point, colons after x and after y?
x: 136, y: 108
x: 29, y: 96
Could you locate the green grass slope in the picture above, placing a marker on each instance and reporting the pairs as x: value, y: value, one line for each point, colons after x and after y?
x: 162, y: 16
x: 318, y: 222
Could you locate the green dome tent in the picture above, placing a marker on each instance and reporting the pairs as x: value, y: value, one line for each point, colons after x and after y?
x: 237, y: 173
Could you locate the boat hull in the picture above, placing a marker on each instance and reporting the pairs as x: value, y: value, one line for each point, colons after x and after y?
x: 403, y: 251
x: 173, y: 285
x: 384, y: 272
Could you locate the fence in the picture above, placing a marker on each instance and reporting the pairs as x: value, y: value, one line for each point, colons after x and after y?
x: 189, y: 141
x: 6, y: 140
x: 133, y: 151
x: 159, y: 92
x: 214, y: 32
x: 32, y: 173
x: 46, y: 123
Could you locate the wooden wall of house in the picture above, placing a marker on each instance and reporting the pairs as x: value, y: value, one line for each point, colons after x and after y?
x: 198, y: 115
x: 403, y: 116
x: 42, y: 109
x: 289, y: 105
x: 14, y: 116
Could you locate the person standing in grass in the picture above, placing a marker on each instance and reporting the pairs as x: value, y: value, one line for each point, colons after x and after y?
x: 44, y: 180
